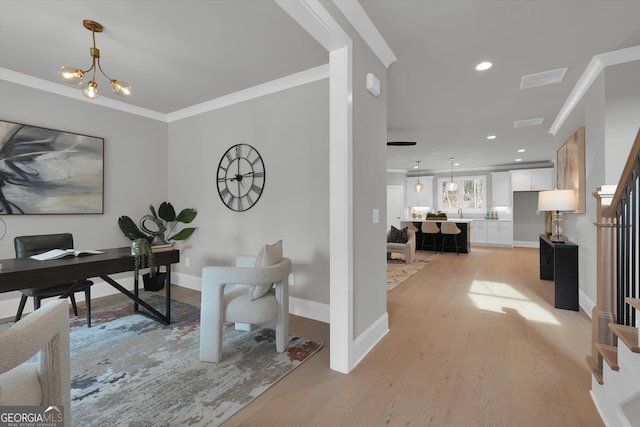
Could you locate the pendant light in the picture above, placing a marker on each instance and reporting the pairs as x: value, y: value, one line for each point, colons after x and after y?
x: 452, y: 185
x: 418, y: 186
x: 75, y: 75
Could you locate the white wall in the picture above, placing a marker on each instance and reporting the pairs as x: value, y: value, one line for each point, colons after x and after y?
x: 610, y: 113
x: 290, y: 129
x: 135, y: 169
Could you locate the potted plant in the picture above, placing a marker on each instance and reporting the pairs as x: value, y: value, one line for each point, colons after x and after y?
x: 164, y: 229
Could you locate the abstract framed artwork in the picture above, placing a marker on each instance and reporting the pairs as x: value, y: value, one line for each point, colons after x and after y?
x: 47, y: 171
x: 570, y: 168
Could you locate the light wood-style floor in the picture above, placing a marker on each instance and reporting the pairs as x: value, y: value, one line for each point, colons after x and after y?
x: 474, y: 340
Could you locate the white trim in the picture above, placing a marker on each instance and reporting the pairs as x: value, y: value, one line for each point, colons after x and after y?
x: 309, y: 309
x: 585, y: 302
x: 367, y: 340
x: 355, y: 14
x: 525, y: 244
x: 315, y: 20
x: 591, y: 72
x: 298, y: 79
x: 312, y: 16
x: 63, y: 90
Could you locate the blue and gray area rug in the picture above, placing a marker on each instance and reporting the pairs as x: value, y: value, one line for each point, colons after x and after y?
x: 131, y: 370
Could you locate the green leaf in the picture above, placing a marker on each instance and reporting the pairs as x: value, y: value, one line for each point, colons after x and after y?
x: 166, y: 212
x: 186, y: 216
x: 130, y: 229
x: 153, y: 211
x: 183, y: 234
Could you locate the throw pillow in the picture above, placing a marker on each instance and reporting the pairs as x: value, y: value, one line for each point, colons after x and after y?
x: 268, y: 255
x: 398, y: 236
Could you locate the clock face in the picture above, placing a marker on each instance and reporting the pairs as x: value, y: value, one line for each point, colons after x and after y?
x: 241, y: 177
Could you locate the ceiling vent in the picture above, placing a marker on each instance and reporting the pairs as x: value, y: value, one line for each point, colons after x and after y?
x: 542, y: 79
x: 527, y: 123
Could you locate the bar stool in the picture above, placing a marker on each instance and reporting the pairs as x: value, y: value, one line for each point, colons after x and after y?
x: 429, y: 227
x: 450, y: 228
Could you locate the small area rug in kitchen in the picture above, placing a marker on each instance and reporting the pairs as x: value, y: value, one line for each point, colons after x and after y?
x: 131, y: 370
x: 398, y: 271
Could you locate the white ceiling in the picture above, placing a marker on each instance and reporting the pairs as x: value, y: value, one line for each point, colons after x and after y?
x: 176, y: 54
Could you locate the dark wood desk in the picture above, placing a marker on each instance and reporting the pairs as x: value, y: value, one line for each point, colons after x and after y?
x: 559, y: 262
x: 24, y: 273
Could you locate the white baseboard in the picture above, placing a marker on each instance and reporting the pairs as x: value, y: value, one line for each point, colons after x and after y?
x: 585, y: 302
x: 365, y: 342
x: 309, y: 309
x: 298, y: 306
x: 525, y: 244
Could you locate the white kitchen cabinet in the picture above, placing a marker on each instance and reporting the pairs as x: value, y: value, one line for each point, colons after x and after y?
x: 423, y: 198
x: 500, y: 233
x: 532, y: 179
x: 479, y: 231
x: 501, y: 188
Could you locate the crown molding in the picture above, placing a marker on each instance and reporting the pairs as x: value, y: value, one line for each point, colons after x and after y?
x: 288, y: 82
x: 591, y: 72
x: 63, y: 90
x: 358, y: 18
x: 298, y: 79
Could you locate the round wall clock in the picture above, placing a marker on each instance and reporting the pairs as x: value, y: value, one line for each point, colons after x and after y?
x: 241, y: 177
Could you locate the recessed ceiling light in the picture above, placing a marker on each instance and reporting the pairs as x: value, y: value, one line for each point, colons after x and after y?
x: 491, y: 137
x: 456, y: 164
x: 522, y: 150
x: 483, y: 66
x: 518, y: 160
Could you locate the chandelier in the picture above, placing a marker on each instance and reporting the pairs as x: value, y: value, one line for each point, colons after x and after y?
x: 75, y: 75
x: 452, y: 185
x: 418, y: 186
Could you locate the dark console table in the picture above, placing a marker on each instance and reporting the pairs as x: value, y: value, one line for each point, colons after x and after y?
x: 559, y: 262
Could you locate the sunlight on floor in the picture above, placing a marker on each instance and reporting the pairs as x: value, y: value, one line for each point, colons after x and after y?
x: 496, y: 296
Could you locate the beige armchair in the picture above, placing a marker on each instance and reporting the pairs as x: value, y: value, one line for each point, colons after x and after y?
x: 407, y: 249
x: 224, y: 300
x: 47, y: 382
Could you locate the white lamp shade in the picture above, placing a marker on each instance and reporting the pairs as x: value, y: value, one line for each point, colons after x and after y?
x: 557, y: 200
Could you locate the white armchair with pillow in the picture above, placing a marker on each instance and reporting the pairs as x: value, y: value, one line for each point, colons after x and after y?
x: 48, y: 381
x: 255, y: 291
x: 402, y: 242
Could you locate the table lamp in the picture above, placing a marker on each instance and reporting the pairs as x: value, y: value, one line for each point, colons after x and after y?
x: 557, y: 201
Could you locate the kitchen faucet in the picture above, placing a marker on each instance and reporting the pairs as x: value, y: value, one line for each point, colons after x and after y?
x: 460, y: 212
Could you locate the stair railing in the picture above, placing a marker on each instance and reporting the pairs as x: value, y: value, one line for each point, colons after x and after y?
x: 618, y: 257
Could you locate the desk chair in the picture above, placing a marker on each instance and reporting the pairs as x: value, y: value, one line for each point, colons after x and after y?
x: 450, y: 229
x: 26, y: 246
x: 429, y: 227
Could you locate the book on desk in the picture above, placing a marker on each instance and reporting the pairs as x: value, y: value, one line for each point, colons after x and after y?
x: 61, y: 253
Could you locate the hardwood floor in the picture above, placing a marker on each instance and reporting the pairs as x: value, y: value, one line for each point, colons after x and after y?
x: 474, y: 340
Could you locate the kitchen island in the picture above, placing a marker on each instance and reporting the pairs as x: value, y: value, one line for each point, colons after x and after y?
x: 464, y: 238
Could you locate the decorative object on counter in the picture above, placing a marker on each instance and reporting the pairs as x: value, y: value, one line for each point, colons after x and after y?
x: 452, y: 185
x: 75, y: 76
x: 437, y: 216
x: 418, y: 186
x: 557, y: 201
x: 492, y: 215
x: 165, y: 221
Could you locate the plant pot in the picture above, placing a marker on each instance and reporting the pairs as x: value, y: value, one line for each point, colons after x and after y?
x: 155, y: 283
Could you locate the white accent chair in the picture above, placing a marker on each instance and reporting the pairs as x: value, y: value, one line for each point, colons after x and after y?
x: 48, y: 381
x: 226, y: 298
x: 407, y: 249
